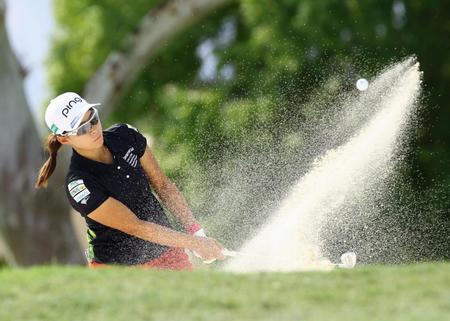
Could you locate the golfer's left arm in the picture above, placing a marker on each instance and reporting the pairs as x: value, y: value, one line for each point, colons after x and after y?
x: 166, y: 190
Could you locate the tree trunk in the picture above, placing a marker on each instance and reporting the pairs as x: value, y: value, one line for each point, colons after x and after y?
x: 35, y: 226
x: 155, y: 29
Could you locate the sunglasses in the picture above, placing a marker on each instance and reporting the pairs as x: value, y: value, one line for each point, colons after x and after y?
x: 86, y: 126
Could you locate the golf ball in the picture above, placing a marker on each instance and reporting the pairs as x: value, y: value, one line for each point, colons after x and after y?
x: 362, y: 84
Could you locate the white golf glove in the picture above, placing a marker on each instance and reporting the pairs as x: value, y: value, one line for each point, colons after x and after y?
x: 197, y: 230
x: 200, y: 232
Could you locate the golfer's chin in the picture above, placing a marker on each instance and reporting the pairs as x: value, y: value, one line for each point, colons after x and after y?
x: 98, y: 141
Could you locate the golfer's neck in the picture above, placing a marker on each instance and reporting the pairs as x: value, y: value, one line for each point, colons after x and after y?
x: 100, y: 154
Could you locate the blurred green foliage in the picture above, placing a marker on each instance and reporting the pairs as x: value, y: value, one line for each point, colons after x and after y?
x: 281, y: 54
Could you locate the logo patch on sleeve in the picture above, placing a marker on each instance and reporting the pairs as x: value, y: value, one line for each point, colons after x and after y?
x: 79, y: 191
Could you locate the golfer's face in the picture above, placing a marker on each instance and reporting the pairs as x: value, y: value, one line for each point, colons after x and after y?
x: 92, y: 139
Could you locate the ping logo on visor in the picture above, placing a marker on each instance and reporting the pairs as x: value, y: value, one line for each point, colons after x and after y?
x: 69, y: 106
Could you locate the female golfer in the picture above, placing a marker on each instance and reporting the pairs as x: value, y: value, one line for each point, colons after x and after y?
x: 109, y: 183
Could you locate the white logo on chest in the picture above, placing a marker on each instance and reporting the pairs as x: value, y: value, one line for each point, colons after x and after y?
x: 130, y: 157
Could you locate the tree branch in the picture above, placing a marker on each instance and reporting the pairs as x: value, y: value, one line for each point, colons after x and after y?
x: 159, y: 26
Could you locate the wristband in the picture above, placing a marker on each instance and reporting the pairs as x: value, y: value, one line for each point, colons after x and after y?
x: 197, y: 230
x: 194, y: 228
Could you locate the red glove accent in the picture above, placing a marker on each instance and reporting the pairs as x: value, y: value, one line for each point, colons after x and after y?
x: 194, y: 228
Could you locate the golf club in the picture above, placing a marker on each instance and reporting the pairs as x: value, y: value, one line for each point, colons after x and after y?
x: 348, y: 259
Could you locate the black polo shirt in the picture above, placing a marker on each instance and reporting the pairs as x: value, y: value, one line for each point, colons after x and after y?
x: 89, y: 183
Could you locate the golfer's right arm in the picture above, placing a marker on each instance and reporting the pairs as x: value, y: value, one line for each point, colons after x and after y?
x: 115, y: 214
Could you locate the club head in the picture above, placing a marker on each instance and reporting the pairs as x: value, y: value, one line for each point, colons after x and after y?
x: 348, y: 260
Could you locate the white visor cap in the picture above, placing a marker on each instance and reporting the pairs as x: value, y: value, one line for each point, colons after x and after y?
x: 65, y: 112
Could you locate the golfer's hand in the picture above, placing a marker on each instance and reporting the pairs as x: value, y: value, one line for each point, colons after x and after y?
x: 209, y: 249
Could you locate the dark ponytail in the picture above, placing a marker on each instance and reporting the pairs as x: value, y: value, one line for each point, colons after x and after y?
x: 52, y: 145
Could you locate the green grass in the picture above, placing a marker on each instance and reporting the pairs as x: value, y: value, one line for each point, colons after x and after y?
x: 385, y: 293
